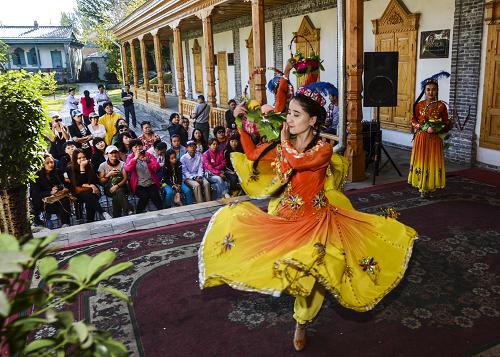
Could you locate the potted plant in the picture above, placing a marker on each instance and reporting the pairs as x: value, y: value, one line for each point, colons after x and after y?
x: 23, y: 126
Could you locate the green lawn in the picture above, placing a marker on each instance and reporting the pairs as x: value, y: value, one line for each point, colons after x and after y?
x: 54, y: 104
x: 115, y: 95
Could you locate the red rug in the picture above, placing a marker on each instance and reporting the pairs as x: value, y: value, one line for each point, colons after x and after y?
x: 447, y: 304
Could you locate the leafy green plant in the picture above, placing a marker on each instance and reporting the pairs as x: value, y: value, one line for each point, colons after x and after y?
x: 22, y: 128
x: 62, y: 286
x: 4, y: 55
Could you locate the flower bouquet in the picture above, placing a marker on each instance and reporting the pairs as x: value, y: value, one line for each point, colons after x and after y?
x: 435, y: 125
x: 261, y: 120
x: 305, y: 65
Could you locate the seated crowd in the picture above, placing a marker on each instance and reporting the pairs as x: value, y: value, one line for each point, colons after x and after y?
x: 85, y: 162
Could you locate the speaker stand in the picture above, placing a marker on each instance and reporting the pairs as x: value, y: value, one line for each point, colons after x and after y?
x: 378, y: 148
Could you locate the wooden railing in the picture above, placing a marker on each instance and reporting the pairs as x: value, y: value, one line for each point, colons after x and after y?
x: 166, y: 87
x: 217, y: 117
x: 187, y: 107
x: 141, y: 93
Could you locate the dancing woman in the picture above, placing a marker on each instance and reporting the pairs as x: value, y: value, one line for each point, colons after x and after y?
x: 430, y: 121
x: 311, y: 241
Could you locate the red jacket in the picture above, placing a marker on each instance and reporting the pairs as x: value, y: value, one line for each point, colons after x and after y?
x: 153, y: 167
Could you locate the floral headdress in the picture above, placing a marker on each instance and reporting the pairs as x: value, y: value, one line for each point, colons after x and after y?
x: 313, y: 94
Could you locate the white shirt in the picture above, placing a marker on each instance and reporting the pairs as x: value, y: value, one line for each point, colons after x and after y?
x: 101, y: 98
x: 99, y: 133
x: 160, y: 158
x: 71, y: 102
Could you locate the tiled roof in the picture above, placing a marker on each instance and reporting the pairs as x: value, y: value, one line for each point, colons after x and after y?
x: 40, y: 32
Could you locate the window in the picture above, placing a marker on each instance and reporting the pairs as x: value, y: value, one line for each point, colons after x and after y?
x: 32, y: 57
x: 230, y: 59
x: 18, y: 58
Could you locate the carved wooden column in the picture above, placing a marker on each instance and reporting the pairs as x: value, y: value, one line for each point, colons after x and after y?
x: 354, y: 62
x: 259, y: 50
x: 208, y: 39
x: 125, y: 62
x: 179, y: 63
x: 159, y: 68
x: 144, y: 61
x: 134, y: 67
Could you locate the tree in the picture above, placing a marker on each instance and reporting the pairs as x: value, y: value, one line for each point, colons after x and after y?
x: 22, y: 145
x: 4, y: 55
x: 70, y: 19
x: 97, y: 17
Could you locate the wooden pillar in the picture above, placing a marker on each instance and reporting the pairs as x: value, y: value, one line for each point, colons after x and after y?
x: 208, y: 39
x: 144, y: 61
x: 354, y: 63
x: 259, y: 50
x: 159, y: 68
x: 125, y: 62
x: 134, y: 67
x: 179, y: 64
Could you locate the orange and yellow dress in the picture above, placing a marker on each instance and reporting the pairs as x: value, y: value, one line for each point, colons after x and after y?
x: 427, y: 171
x: 310, y: 242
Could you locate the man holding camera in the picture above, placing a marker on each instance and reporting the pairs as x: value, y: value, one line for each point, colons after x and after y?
x: 144, y: 182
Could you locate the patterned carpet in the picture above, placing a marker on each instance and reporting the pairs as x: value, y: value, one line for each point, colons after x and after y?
x: 447, y: 304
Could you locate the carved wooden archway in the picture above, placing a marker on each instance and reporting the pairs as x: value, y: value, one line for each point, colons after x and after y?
x: 490, y: 116
x: 396, y: 30
x: 198, y: 68
x: 311, y: 33
x: 249, y: 45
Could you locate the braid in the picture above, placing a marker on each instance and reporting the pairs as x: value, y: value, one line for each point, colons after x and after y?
x: 262, y: 154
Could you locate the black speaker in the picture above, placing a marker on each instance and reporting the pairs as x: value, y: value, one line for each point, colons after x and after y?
x: 380, y: 86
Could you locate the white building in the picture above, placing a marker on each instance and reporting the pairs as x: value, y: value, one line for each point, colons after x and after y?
x: 44, y: 48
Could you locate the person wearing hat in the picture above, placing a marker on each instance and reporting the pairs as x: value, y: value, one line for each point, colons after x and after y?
x: 431, y: 124
x: 311, y: 242
x: 96, y: 129
x: 109, y: 120
x: 80, y: 134
x: 58, y: 135
x: 113, y: 177
x: 71, y: 102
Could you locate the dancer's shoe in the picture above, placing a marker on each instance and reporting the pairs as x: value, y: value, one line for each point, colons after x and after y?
x: 299, y: 338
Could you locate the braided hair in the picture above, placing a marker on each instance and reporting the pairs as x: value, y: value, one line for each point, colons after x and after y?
x: 312, y: 108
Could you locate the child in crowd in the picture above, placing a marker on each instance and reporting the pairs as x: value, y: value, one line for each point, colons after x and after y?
x: 158, y: 151
x: 214, y: 165
x: 175, y: 141
x: 192, y: 173
x: 173, y: 183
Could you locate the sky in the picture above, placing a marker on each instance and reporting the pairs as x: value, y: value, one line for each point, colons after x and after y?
x: 25, y: 12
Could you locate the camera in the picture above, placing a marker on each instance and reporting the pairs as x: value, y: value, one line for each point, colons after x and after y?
x: 60, y: 187
x: 142, y: 152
